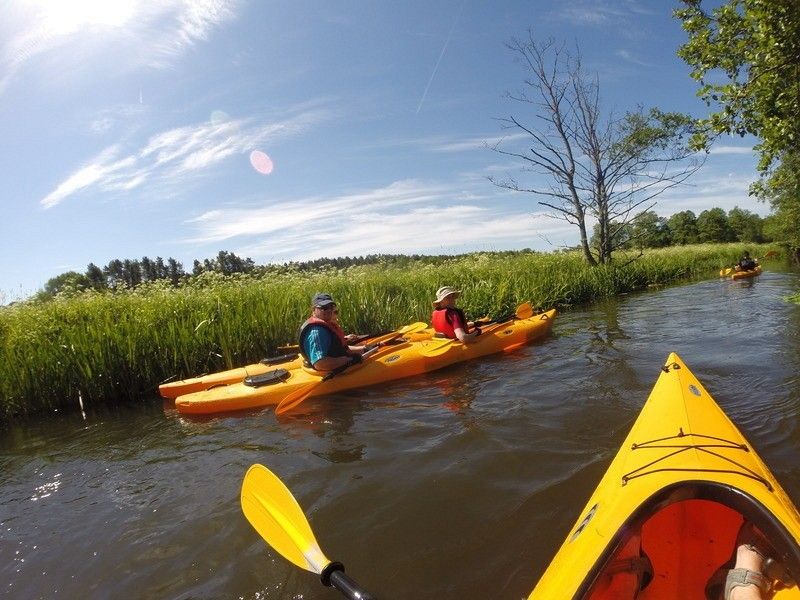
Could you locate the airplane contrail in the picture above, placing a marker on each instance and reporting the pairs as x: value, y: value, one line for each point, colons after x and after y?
x: 441, y: 54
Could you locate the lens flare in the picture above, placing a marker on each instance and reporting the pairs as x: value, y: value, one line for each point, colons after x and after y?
x: 261, y: 162
x: 218, y: 117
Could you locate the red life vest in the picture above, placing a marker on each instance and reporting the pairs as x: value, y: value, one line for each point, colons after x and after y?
x: 338, y: 342
x: 447, y: 320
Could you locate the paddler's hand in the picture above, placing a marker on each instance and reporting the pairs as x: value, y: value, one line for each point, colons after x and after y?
x: 351, y: 337
x: 355, y: 359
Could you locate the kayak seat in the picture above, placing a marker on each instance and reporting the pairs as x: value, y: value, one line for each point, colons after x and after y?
x: 687, y: 541
x: 278, y: 360
x: 629, y: 572
x: 268, y: 378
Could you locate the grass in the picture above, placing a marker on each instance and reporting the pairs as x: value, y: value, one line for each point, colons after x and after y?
x: 113, y: 346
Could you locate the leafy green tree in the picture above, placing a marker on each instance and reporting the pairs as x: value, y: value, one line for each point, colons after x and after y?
x: 69, y: 281
x: 114, y: 273
x: 745, y: 54
x: 746, y: 226
x: 713, y: 226
x: 782, y: 191
x: 683, y: 228
x: 96, y: 278
x: 620, y: 236
x: 650, y: 231
x: 174, y: 270
x: 131, y: 272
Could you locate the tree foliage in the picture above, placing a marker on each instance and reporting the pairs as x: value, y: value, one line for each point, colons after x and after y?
x: 683, y: 228
x: 746, y: 56
x: 589, y: 165
x: 782, y: 191
x: 713, y: 226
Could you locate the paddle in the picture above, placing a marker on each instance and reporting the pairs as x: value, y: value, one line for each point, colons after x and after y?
x: 372, y: 338
x: 277, y: 517
x: 524, y: 311
x: 725, y: 272
x: 298, y: 396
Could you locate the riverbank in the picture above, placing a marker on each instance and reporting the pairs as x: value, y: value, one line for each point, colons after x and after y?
x: 94, y: 348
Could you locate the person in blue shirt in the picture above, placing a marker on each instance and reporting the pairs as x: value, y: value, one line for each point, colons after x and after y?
x: 322, y: 341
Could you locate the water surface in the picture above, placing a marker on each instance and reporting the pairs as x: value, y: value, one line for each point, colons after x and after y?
x: 459, y: 484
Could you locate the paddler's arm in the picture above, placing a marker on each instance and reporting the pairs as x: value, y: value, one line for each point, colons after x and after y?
x: 329, y: 363
x: 465, y: 337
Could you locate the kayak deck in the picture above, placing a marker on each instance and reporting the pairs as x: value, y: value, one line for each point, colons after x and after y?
x: 745, y: 274
x: 666, y: 514
x: 407, y: 359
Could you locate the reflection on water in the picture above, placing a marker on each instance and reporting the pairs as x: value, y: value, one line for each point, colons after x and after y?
x: 458, y: 484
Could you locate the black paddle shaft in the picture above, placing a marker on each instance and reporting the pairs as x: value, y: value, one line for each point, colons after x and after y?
x: 334, y: 575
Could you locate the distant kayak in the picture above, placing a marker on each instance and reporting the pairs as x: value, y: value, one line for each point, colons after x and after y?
x: 666, y: 514
x: 734, y: 274
x: 386, y: 364
x: 744, y: 274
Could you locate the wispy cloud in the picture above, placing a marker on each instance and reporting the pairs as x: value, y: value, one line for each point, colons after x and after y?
x: 404, y: 216
x: 180, y: 154
x: 587, y: 13
x: 712, y: 191
x: 630, y: 57
x: 151, y: 34
x: 443, y: 143
x: 731, y: 150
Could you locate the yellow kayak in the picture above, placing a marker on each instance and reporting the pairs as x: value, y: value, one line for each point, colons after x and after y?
x: 288, y: 362
x: 174, y: 389
x: 666, y: 514
x: 407, y: 359
x: 744, y: 274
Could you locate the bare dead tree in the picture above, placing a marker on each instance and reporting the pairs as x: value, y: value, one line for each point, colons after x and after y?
x: 591, y: 167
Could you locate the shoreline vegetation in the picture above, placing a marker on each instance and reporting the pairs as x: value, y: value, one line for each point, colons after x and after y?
x: 100, y: 347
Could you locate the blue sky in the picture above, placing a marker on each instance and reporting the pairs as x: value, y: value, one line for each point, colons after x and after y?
x: 129, y: 126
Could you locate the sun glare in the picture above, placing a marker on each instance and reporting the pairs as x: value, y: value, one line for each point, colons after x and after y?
x: 62, y: 18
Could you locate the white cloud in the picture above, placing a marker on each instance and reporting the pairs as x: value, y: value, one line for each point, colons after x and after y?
x: 403, y: 217
x: 630, y: 57
x: 732, y: 150
x: 181, y: 154
x: 141, y: 33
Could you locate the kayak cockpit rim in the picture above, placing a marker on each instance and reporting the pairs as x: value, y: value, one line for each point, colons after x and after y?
x: 786, y: 547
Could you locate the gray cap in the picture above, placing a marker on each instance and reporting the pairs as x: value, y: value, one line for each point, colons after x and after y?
x: 322, y: 300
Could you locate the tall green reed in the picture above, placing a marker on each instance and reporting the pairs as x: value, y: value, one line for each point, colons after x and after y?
x: 111, y: 346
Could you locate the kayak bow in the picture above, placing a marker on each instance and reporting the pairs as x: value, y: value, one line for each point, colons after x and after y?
x: 666, y: 514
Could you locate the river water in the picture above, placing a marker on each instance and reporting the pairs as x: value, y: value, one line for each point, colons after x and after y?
x: 459, y: 484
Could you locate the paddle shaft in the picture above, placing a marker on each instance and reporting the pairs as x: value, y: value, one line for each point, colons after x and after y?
x: 334, y: 575
x: 299, y: 396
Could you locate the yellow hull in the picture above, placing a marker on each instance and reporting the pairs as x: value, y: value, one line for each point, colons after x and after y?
x: 190, y: 385
x: 676, y: 493
x: 744, y: 274
x: 174, y: 389
x: 387, y: 364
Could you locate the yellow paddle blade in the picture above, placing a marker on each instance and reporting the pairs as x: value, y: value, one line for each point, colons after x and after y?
x: 277, y: 517
x: 524, y: 311
x: 296, y: 397
x: 410, y: 328
x: 436, y: 347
